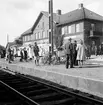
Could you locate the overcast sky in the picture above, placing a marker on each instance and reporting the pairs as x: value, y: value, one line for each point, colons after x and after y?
x: 17, y: 16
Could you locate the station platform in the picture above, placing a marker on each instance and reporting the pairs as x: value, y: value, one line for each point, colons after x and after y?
x: 88, y: 79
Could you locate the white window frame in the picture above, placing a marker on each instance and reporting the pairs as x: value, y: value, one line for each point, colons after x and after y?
x: 43, y: 34
x: 36, y: 36
x: 69, y: 29
x: 92, y: 26
x: 62, y: 30
x: 78, y: 27
x: 28, y: 37
x: 24, y: 38
x: 39, y: 35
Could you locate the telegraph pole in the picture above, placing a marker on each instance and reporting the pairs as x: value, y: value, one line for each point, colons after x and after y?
x: 7, y: 38
x: 50, y: 29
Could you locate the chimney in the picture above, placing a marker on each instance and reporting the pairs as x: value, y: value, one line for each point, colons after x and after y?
x: 80, y: 5
x: 58, y: 12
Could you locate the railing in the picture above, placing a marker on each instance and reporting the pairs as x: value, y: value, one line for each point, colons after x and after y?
x: 94, y: 33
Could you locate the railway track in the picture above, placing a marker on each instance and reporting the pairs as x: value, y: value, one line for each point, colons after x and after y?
x: 30, y: 91
x: 7, y: 98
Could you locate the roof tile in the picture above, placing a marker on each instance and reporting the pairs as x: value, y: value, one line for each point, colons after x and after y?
x: 79, y: 14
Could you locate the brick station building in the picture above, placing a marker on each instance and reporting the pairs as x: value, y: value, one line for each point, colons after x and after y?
x: 77, y: 24
x: 40, y: 30
x: 82, y: 24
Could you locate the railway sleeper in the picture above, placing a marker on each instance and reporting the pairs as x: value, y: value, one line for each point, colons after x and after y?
x: 28, y: 88
x: 48, y: 97
x: 66, y: 101
x: 37, y: 92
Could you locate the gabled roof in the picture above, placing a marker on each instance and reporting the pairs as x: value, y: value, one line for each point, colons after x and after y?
x: 54, y: 16
x: 29, y: 31
x: 79, y: 14
x: 47, y: 15
x: 92, y: 15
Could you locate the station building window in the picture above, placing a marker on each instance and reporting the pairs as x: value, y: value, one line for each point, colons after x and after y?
x: 23, y: 38
x: 93, y: 27
x: 65, y: 30
x: 36, y: 36
x: 62, y: 30
x: 77, y: 27
x: 28, y: 37
x: 43, y: 33
x: 31, y: 37
x: 69, y: 30
x: 39, y: 35
x: 73, y: 28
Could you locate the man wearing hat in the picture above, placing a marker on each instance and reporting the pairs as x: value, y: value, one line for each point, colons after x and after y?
x: 69, y: 53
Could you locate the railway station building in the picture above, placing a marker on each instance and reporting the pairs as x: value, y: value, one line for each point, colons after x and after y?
x: 40, y: 30
x: 80, y: 23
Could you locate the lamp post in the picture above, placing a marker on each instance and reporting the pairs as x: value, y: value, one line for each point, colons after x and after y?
x: 50, y: 29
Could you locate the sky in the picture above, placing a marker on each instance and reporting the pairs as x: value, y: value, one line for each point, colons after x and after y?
x: 17, y: 16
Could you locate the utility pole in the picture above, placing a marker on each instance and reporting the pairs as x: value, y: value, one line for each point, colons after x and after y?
x: 7, y: 38
x: 50, y: 29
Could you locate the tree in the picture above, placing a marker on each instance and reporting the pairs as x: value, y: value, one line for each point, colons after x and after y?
x: 18, y: 41
x: 2, y: 51
x: 61, y: 40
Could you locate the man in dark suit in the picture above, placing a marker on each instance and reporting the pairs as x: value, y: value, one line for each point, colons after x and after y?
x: 36, y: 53
x: 21, y: 55
x: 25, y: 54
x: 75, y: 62
x: 69, y: 53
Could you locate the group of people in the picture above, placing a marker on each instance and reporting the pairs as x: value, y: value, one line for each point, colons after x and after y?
x: 75, y: 54
x: 97, y: 50
x: 30, y: 53
x: 94, y: 50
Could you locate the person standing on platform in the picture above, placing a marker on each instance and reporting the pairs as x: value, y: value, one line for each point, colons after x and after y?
x: 9, y: 55
x: 21, y: 55
x: 36, y: 53
x: 96, y: 50
x: 69, y: 54
x: 81, y: 53
x: 75, y: 62
x: 25, y: 54
x: 88, y: 51
x: 30, y: 54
